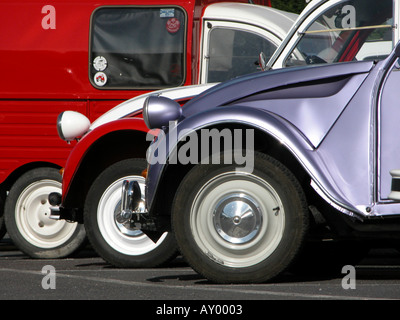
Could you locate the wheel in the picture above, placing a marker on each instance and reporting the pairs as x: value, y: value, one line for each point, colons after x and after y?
x: 27, y: 219
x: 121, y: 244
x: 3, y: 230
x: 240, y: 227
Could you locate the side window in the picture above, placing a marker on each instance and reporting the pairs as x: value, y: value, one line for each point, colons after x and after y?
x: 137, y: 47
x: 234, y: 53
x: 352, y: 30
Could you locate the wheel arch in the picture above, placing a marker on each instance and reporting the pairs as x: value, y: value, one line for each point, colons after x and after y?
x: 264, y: 142
x: 320, y: 213
x: 110, y: 148
x: 18, y: 172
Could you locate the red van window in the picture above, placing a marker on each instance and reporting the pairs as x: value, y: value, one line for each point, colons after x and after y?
x: 137, y: 47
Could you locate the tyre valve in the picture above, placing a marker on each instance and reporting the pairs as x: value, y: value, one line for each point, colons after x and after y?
x: 276, y: 210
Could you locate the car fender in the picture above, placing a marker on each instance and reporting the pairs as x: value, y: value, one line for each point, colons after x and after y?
x: 80, y: 151
x: 264, y: 121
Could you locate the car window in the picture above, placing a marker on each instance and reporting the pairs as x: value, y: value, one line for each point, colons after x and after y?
x: 235, y: 52
x: 351, y: 30
x: 137, y: 47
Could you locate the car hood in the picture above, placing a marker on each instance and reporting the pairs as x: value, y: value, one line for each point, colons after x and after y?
x: 269, y: 83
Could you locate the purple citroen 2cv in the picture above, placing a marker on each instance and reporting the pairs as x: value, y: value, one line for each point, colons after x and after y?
x: 250, y: 168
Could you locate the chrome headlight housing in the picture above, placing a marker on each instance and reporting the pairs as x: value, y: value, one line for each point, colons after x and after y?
x: 159, y: 111
x: 72, y: 125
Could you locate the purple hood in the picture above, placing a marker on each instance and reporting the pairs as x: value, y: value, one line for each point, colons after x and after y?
x: 277, y: 84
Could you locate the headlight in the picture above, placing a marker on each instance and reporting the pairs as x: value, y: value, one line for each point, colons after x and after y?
x: 159, y: 111
x: 72, y: 125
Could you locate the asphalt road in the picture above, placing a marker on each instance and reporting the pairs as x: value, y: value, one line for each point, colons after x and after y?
x: 88, y: 277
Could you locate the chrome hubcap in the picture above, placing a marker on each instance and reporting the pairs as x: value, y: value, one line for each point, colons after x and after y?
x: 126, y: 227
x: 234, y: 219
x: 237, y: 219
x: 122, y: 235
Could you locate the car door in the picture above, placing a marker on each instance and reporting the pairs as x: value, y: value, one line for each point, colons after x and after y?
x: 232, y: 49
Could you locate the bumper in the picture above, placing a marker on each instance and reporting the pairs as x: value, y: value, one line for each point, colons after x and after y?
x: 58, y: 212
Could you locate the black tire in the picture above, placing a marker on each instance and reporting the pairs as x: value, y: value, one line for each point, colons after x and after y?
x: 225, y: 245
x: 27, y: 217
x: 3, y: 230
x: 119, y: 244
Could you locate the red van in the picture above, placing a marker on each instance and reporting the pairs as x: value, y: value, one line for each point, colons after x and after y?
x: 85, y: 56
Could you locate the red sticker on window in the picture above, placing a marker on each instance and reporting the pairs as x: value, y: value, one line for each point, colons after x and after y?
x: 173, y: 25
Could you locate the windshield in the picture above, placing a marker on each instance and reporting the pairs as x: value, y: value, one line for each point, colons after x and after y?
x: 351, y: 30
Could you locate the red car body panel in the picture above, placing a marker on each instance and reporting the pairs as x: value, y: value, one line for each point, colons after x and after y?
x: 45, y: 58
x: 136, y: 124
